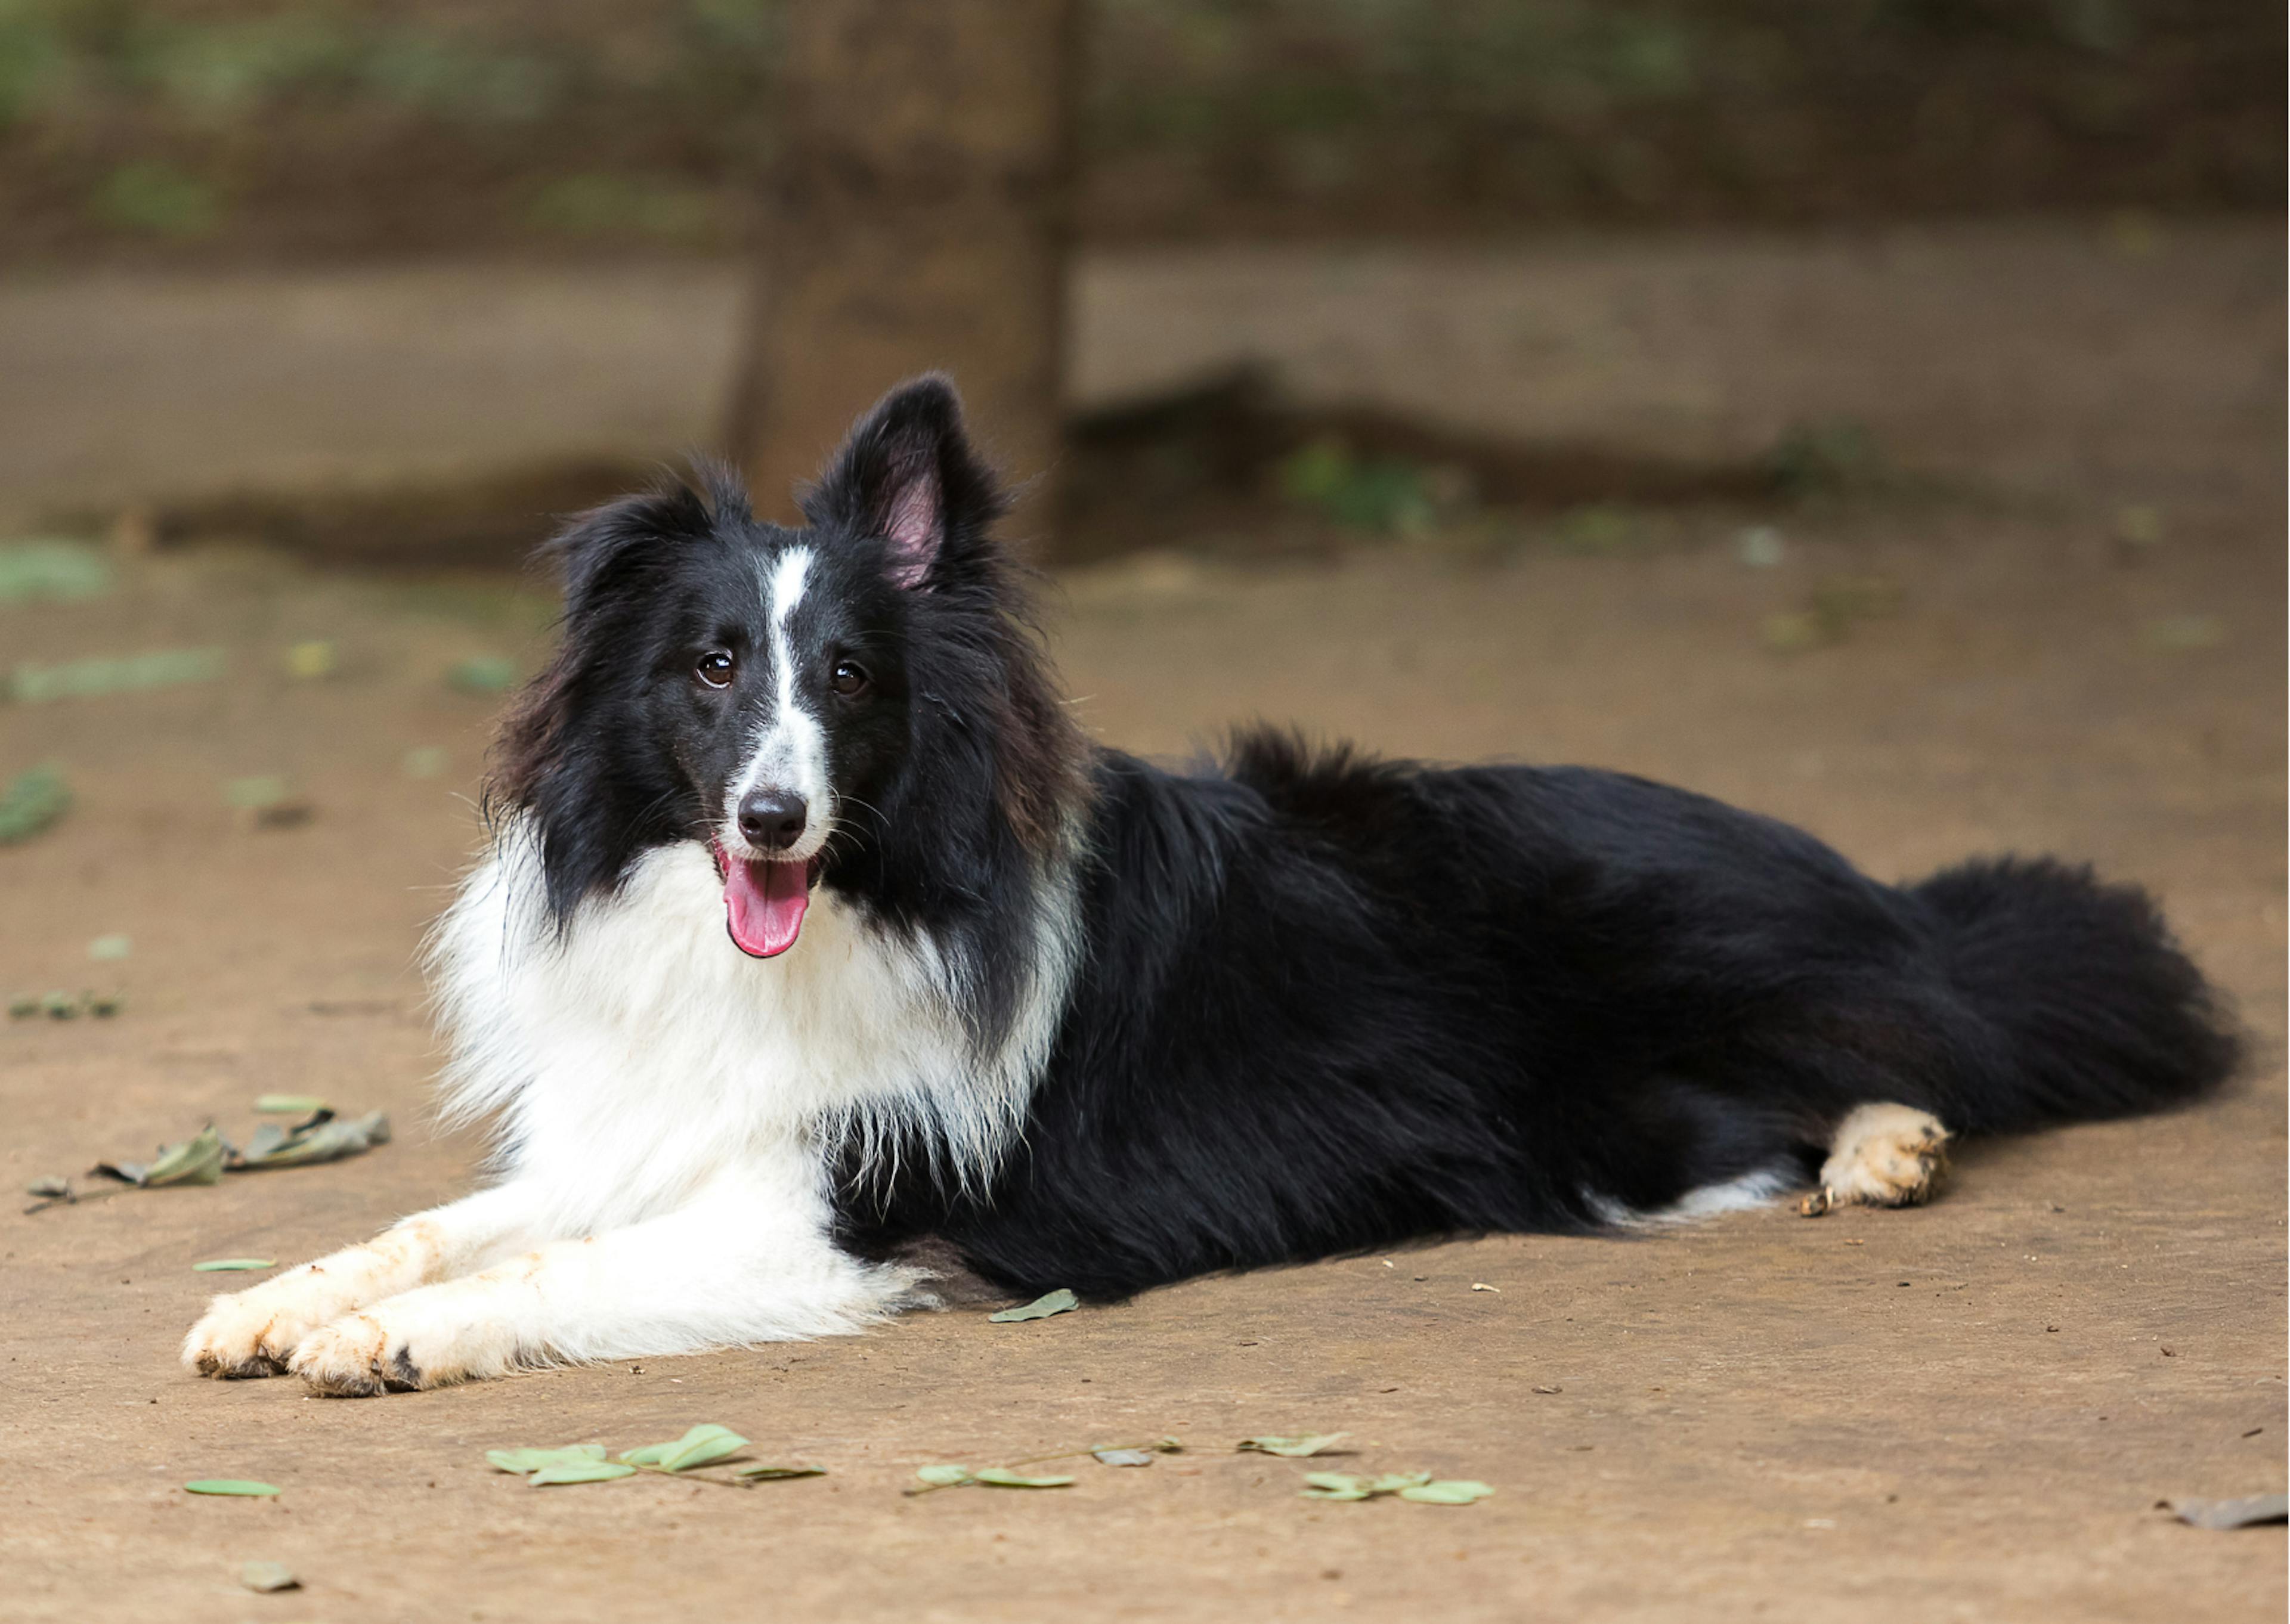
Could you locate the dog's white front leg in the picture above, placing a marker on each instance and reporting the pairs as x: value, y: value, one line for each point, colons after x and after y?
x: 748, y: 1258
x: 254, y: 1332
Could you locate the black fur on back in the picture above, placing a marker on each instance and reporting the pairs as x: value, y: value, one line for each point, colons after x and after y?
x: 1333, y: 1004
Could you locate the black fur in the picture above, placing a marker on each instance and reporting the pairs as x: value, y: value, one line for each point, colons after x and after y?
x: 1329, y: 1004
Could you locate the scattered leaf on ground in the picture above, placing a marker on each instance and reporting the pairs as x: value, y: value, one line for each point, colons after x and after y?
x: 255, y: 792
x: 1060, y: 1301
x: 33, y: 800
x: 1481, y: 1286
x: 943, y: 1477
x: 1003, y: 1477
x: 1449, y: 1492
x: 767, y: 1474
x: 423, y: 760
x: 60, y: 1006
x: 307, y: 662
x: 53, y: 1187
x: 1794, y: 632
x: 1303, y: 1444
x: 1124, y: 1457
x: 703, y: 1443
x: 2247, y: 1511
x: 109, y: 947
x: 93, y: 679
x: 198, y: 1160
x: 23, y: 1006
x: 1417, y: 1486
x: 581, y: 1471
x: 325, y: 1138
x: 103, y: 1007
x: 2179, y: 633
x: 224, y: 1265
x: 289, y: 1105
x: 230, y: 1486
x: 264, y: 1577
x: 2140, y: 526
x: 1760, y: 547
x: 481, y: 674
x: 49, y: 568
x: 521, y: 1461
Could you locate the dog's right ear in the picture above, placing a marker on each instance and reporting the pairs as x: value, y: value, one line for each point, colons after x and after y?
x: 907, y: 475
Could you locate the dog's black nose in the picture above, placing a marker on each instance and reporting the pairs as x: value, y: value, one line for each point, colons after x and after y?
x: 772, y: 819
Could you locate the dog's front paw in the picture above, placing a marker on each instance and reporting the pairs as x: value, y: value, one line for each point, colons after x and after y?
x: 355, y: 1357
x: 431, y: 1338
x: 254, y: 1332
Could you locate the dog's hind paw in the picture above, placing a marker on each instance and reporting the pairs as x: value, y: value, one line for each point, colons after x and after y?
x: 1881, y: 1155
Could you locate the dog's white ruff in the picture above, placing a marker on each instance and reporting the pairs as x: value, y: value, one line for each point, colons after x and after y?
x: 665, y: 1105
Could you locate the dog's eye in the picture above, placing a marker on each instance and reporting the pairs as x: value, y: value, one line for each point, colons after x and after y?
x: 846, y: 678
x: 716, y: 668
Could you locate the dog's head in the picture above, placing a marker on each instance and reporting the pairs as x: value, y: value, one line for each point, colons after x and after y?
x: 857, y: 703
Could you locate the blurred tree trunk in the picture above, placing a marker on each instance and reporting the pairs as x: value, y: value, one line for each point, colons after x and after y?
x: 915, y: 217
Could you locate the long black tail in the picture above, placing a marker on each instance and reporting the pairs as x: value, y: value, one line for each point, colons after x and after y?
x: 2092, y: 1009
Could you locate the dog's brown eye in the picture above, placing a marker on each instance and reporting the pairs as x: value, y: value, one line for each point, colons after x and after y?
x: 846, y: 677
x: 716, y: 666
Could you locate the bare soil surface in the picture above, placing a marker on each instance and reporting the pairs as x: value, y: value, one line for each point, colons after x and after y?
x: 1965, y: 1411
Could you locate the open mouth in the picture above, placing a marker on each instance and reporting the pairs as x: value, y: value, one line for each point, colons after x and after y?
x: 764, y: 901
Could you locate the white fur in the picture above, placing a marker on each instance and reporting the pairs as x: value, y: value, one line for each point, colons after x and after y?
x: 665, y: 1105
x: 790, y: 749
x: 1751, y: 1189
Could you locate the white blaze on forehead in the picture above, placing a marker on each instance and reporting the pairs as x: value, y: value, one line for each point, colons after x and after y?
x: 791, y: 748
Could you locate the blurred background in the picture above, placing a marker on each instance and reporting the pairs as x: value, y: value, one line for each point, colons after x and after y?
x: 1871, y: 410
x: 1868, y: 412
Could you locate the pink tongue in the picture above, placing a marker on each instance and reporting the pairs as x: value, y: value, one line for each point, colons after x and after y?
x: 764, y: 904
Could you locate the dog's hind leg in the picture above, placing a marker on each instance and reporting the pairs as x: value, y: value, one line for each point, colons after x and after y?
x: 1880, y: 1156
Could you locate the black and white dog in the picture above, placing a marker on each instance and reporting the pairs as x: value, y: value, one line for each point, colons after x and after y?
x: 1104, y: 1026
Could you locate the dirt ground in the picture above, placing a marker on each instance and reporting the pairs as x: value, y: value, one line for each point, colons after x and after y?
x: 1966, y: 1412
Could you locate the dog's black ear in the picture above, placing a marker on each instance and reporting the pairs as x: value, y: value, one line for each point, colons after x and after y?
x: 907, y: 475
x: 600, y: 546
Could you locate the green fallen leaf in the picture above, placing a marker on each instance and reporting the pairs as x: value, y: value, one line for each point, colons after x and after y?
x: 230, y: 1486
x: 265, y: 1577
x: 51, y: 569
x: 60, y: 1006
x: 23, y: 1006
x: 224, y: 1265
x: 581, y: 1471
x: 1124, y: 1457
x: 1060, y: 1301
x: 522, y: 1460
x: 55, y: 1189
x: 289, y: 1105
x: 943, y: 1477
x: 767, y: 1474
x: 109, y: 947
x: 93, y: 678
x: 481, y: 674
x: 1334, y: 1485
x: 255, y: 792
x: 1448, y: 1492
x: 1392, y: 1483
x: 423, y: 760
x: 705, y: 1443
x: 308, y: 662
x: 326, y: 1138
x: 198, y: 1160
x: 103, y: 1007
x: 33, y: 800
x: 1304, y: 1443
x: 1003, y: 1477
